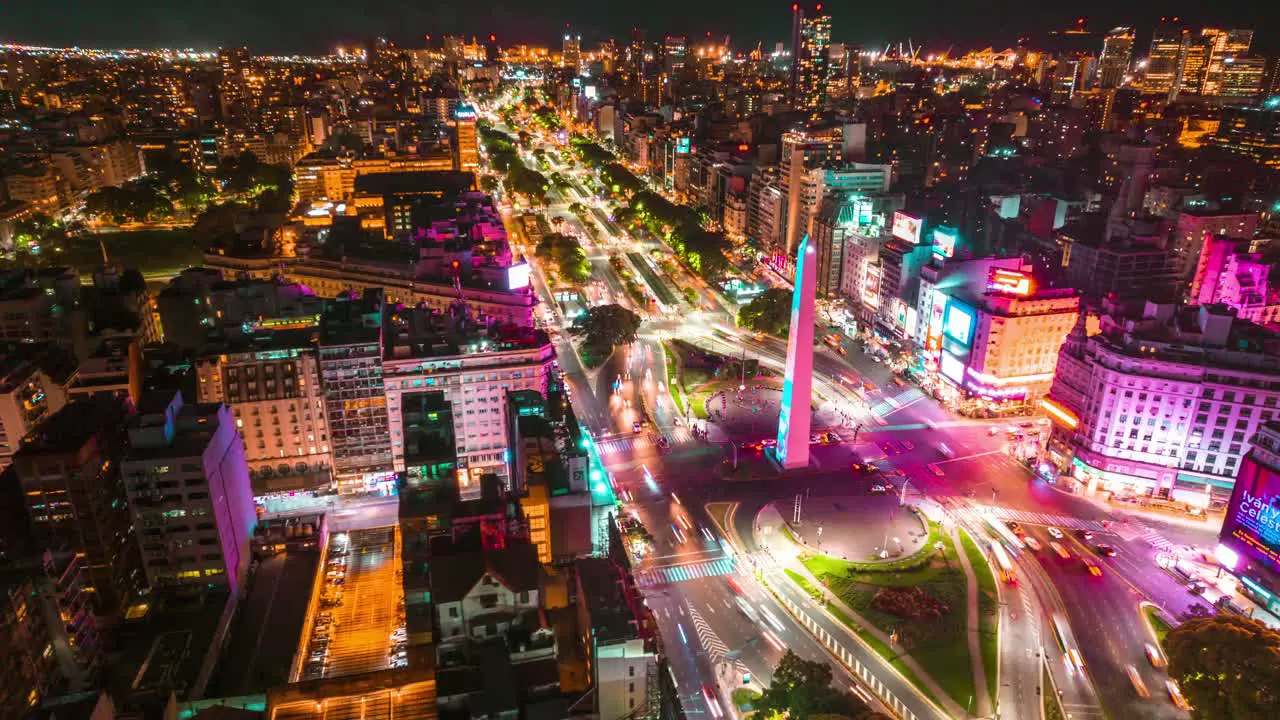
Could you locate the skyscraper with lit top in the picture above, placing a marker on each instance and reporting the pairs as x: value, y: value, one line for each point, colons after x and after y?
x: 810, y: 47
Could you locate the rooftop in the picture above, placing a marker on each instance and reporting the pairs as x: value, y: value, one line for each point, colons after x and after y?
x: 72, y: 426
x: 604, y: 591
x: 415, y: 183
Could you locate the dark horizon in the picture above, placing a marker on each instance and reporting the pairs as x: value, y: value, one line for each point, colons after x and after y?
x: 318, y: 26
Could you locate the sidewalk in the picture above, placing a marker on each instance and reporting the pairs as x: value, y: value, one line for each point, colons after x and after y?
x: 972, y: 624
x: 785, y: 552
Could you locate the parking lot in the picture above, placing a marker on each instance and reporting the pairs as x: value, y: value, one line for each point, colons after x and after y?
x: 359, y: 618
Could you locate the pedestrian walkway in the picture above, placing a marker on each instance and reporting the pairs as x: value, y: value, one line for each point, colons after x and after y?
x: 972, y: 627
x: 1030, y: 517
x: 1137, y: 531
x: 675, y: 436
x: 650, y: 577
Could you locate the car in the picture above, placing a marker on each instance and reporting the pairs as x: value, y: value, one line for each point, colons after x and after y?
x: 878, y: 490
x: 899, y: 382
x: 1013, y: 525
x: 1154, y: 656
x: 1197, y: 587
x: 992, y: 432
x: 933, y: 467
x: 1105, y: 550
x: 663, y: 442
x: 1059, y: 550
x: 868, y: 386
x: 1033, y: 543
x: 907, y: 446
x: 1092, y: 568
x: 1054, y: 533
x: 930, y: 424
x: 1175, y: 695
x: 635, y: 428
x: 1084, y: 534
x: 1135, y: 679
x: 945, y: 450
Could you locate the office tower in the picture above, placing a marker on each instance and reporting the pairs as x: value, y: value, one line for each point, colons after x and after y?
x: 1243, y: 77
x: 1221, y: 46
x: 636, y: 66
x: 1117, y: 51
x: 1253, y: 131
x: 233, y: 91
x: 674, y: 50
x: 794, y: 416
x: 802, y: 151
x: 466, y: 143
x: 68, y: 470
x: 1164, y: 62
x: 571, y: 50
x: 189, y: 493
x: 811, y: 44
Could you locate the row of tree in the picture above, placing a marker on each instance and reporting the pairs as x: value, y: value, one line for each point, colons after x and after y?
x: 567, y: 254
x: 504, y: 157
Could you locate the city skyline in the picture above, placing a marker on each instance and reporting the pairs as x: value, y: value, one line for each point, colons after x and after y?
x: 295, y: 27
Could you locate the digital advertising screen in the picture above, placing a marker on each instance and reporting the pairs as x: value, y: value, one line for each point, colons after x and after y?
x: 1252, y: 525
x: 959, y: 323
x: 944, y: 242
x: 682, y: 145
x: 518, y: 276
x: 906, y: 227
x: 871, y: 287
x: 952, y: 368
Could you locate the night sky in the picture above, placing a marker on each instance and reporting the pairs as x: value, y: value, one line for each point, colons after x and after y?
x: 316, y: 26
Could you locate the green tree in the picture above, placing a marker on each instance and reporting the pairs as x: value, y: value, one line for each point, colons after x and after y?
x: 607, y: 326
x: 802, y: 689
x: 768, y: 312
x: 216, y: 223
x: 1227, y: 666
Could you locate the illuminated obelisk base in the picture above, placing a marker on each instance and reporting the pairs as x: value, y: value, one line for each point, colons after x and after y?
x: 795, y: 415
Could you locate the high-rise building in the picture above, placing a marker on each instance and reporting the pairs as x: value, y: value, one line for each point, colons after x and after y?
x: 189, y: 493
x: 803, y: 150
x: 1117, y: 51
x: 1168, y: 52
x: 674, y: 51
x: 233, y: 86
x: 1243, y: 77
x: 1221, y: 45
x: 466, y: 143
x: 1253, y: 131
x: 571, y: 50
x: 28, y: 395
x: 811, y: 44
x: 355, y: 398
x: 1195, y: 226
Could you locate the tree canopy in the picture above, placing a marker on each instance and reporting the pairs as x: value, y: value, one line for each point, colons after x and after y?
x: 567, y: 254
x: 768, y: 312
x: 604, y: 328
x: 801, y: 689
x: 1227, y: 666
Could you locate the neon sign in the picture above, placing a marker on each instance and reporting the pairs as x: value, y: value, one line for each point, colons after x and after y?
x: 1010, y: 282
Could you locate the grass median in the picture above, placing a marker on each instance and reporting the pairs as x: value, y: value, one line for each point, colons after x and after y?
x: 988, y: 611
x: 1158, y: 623
x: 923, y: 602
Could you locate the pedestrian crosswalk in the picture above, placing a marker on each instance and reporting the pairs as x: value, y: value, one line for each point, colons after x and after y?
x: 675, y: 436
x: 893, y: 402
x: 1032, y: 517
x: 679, y: 573
x: 1138, y: 531
x: 715, y: 648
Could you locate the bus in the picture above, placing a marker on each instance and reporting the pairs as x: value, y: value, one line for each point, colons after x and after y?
x: 1063, y: 635
x: 1003, y: 532
x: 1003, y: 565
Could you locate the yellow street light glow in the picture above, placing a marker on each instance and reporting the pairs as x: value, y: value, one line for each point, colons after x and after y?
x: 1063, y: 415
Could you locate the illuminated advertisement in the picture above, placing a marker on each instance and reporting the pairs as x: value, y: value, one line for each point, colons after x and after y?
x: 682, y: 146
x: 871, y: 287
x: 1252, y: 525
x: 959, y: 323
x: 1010, y: 282
x: 899, y: 314
x: 589, y: 92
x: 913, y: 322
x: 518, y: 276
x: 906, y: 228
x: 944, y: 242
x: 933, y: 341
x: 952, y: 368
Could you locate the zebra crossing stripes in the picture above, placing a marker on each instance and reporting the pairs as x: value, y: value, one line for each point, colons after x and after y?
x: 711, y: 642
x: 1154, y: 539
x: 676, y: 436
x: 1041, y: 518
x: 680, y: 573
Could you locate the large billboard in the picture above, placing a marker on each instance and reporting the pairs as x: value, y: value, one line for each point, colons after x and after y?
x: 944, y: 242
x: 1252, y: 524
x: 518, y: 276
x: 959, y: 323
x: 1010, y: 282
x: 871, y: 287
x: 906, y: 227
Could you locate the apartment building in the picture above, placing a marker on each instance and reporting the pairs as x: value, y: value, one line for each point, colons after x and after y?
x: 1164, y: 401
x: 189, y: 493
